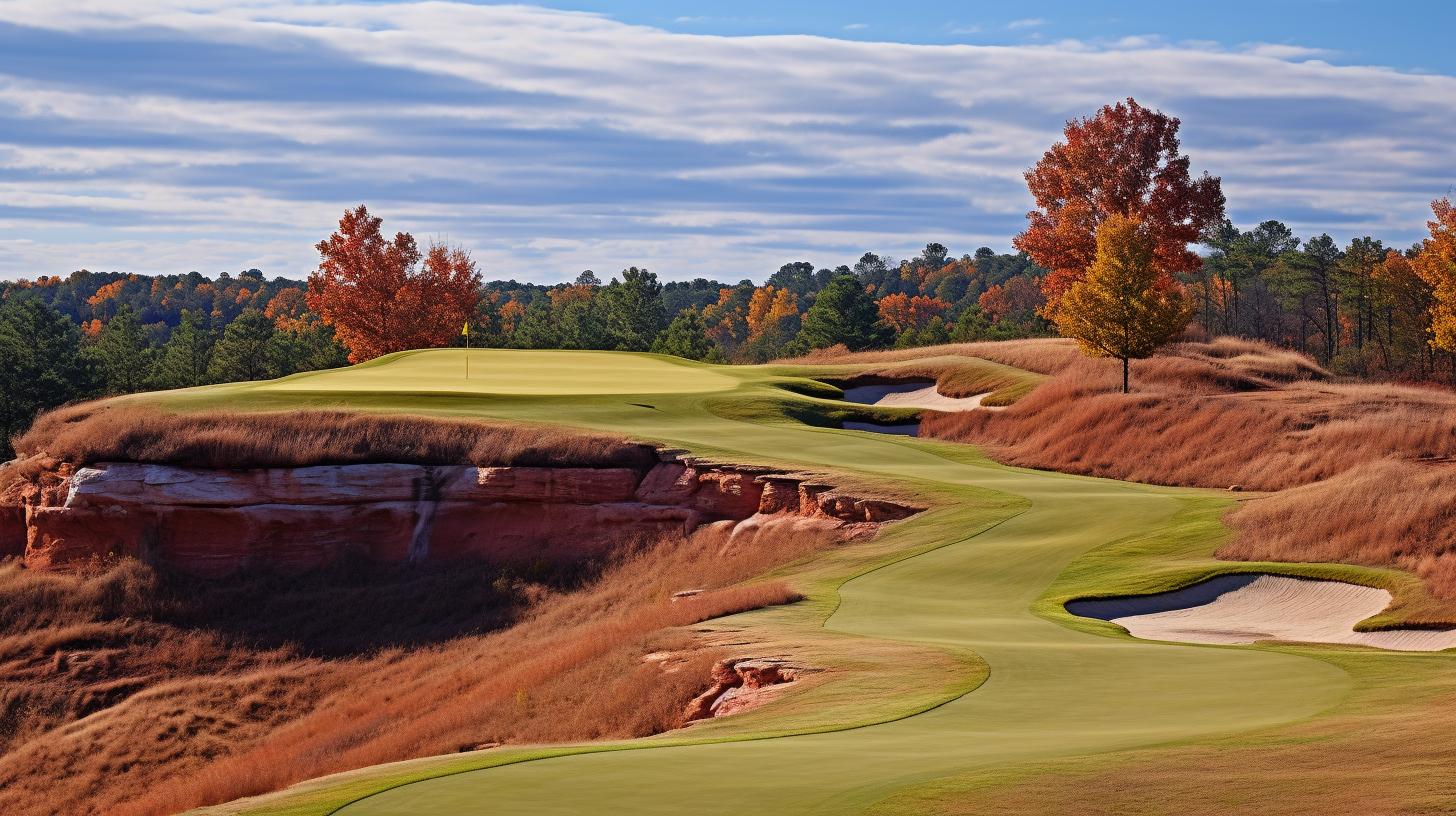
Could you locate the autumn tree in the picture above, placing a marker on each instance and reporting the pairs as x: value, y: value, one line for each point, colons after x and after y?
x: 908, y: 313
x: 1126, y: 306
x: 1402, y: 314
x: 1436, y: 265
x: 379, y: 297
x: 772, y: 320
x: 1124, y: 161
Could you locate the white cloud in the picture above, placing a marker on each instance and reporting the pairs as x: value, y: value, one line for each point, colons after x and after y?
x: 552, y: 141
x: 1025, y: 22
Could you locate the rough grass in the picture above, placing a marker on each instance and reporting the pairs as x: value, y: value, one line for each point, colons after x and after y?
x: 1210, y: 415
x: 117, y: 431
x: 131, y: 693
x: 1387, y: 513
x: 1042, y: 356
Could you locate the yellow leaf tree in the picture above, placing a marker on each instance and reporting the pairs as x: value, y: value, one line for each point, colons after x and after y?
x: 1436, y: 265
x: 1126, y: 306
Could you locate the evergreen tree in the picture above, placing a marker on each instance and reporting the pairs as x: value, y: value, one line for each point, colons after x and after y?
x: 685, y: 336
x: 537, y: 330
x: 41, y: 365
x: 580, y: 325
x: 122, y: 353
x: 246, y: 350
x: 184, y: 358
x: 306, y: 349
x: 635, y: 313
x: 843, y: 313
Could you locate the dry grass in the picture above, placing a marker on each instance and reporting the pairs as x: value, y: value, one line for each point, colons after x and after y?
x: 169, y: 694
x: 1212, y: 415
x: 1388, y: 513
x: 1043, y: 356
x: 107, y: 431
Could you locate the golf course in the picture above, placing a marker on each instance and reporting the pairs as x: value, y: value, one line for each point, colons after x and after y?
x: 949, y: 658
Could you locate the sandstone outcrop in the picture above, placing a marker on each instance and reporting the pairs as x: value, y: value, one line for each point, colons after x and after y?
x: 740, y: 684
x: 213, y: 522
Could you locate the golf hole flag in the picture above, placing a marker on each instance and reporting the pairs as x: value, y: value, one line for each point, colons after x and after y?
x: 465, y: 332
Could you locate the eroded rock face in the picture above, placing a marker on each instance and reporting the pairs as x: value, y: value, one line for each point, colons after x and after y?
x: 741, y: 684
x: 213, y: 522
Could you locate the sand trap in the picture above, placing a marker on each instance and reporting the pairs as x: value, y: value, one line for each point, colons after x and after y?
x: 914, y: 395
x: 1250, y: 608
x: 908, y: 429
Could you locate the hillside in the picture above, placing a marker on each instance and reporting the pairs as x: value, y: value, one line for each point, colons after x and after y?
x: 905, y: 621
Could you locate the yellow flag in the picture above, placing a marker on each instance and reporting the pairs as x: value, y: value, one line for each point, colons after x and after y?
x: 465, y: 330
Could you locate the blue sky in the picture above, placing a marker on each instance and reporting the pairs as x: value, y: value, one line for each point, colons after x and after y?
x: 170, y: 135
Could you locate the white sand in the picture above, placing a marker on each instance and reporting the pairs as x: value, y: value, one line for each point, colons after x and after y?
x: 914, y: 396
x: 1276, y: 607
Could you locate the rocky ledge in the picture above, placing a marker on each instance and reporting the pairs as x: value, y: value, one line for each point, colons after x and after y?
x: 742, y: 684
x: 214, y: 522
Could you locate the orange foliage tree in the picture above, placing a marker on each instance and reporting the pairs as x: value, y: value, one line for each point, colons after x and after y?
x: 768, y: 307
x: 379, y: 297
x: 904, y: 313
x: 1125, y: 306
x: 1123, y: 161
x: 287, y: 310
x: 1436, y: 265
x: 1018, y: 296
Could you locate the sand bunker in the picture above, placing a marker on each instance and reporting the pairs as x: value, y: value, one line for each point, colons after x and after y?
x: 913, y: 395
x: 904, y: 429
x: 1250, y: 608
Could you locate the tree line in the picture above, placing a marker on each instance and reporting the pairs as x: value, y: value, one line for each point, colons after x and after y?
x: 88, y: 334
x: 1106, y: 258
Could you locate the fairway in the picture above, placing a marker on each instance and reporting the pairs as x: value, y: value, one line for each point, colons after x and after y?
x: 498, y: 371
x: 1053, y: 691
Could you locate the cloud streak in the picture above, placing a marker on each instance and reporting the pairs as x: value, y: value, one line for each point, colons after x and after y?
x: 232, y: 135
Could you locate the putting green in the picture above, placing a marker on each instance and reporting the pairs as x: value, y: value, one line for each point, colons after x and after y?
x: 1054, y: 690
x: 500, y: 371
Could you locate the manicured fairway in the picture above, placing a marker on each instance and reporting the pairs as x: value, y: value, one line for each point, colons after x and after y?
x: 1054, y: 690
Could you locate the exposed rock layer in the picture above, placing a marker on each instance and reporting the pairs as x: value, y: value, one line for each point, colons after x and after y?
x: 213, y: 522
x: 741, y: 684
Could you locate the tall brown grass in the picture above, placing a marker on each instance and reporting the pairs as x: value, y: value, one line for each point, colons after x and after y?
x: 108, y: 431
x: 204, y: 708
x: 1387, y: 513
x: 1213, y: 415
x: 1043, y: 356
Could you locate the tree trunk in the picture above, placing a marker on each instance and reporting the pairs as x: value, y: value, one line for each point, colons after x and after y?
x: 1124, y: 375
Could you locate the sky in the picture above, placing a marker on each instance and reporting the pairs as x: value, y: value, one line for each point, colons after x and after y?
x: 698, y: 140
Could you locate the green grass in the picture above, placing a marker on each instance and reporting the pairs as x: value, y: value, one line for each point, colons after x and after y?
x: 964, y: 597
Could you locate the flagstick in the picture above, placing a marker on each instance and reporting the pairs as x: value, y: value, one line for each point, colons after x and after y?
x: 467, y: 354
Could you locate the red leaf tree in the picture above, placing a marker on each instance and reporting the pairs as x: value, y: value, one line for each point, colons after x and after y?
x: 1123, y: 161
x: 379, y: 297
x: 903, y: 313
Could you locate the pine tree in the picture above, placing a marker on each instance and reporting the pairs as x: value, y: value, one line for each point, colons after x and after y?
x: 635, y: 313
x: 246, y: 350
x: 41, y: 364
x: 843, y: 313
x: 1125, y: 307
x: 122, y: 353
x: 184, y: 358
x: 685, y: 336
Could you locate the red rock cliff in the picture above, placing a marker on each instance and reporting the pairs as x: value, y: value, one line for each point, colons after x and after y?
x: 212, y: 522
